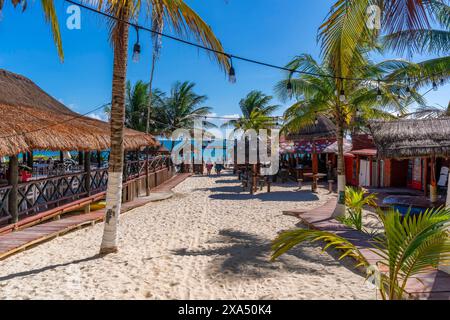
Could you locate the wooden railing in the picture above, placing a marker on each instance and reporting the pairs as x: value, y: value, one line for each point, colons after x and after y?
x: 47, y: 193
x: 4, y: 213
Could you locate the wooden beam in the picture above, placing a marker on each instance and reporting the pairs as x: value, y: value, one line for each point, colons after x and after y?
x: 80, y: 157
x: 425, y: 177
x: 30, y: 159
x: 315, y: 160
x: 147, y: 177
x: 357, y: 170
x: 433, y: 183
x: 87, y: 170
x: 13, y: 180
x: 99, y: 159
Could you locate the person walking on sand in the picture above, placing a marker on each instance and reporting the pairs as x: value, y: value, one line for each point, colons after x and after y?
x: 209, y: 167
x: 218, y: 168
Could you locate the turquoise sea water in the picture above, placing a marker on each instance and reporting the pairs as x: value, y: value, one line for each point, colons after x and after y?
x: 212, y: 154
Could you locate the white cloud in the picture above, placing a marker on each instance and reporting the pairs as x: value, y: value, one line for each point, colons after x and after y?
x: 234, y: 116
x: 98, y: 116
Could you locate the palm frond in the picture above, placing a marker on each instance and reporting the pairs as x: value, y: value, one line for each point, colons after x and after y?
x: 286, y: 240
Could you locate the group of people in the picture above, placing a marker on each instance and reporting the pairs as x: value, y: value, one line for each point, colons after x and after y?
x: 218, y: 167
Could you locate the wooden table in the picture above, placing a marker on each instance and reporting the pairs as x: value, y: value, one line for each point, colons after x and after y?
x: 315, y: 177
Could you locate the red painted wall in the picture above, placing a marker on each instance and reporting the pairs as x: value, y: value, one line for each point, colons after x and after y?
x: 398, y: 173
x: 349, y: 171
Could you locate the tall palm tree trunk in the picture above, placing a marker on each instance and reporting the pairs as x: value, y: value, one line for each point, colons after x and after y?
x: 150, y: 88
x: 116, y: 159
x: 340, y: 206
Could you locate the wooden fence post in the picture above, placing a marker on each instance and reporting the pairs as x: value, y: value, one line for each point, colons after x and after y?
x: 13, y: 177
x: 147, y: 178
x: 30, y: 159
x: 87, y: 170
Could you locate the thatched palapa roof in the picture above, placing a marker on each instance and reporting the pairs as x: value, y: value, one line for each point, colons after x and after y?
x: 410, y: 138
x: 324, y: 128
x: 33, y: 120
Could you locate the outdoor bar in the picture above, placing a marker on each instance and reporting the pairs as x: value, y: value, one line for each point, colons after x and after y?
x: 35, y: 185
x: 304, y: 155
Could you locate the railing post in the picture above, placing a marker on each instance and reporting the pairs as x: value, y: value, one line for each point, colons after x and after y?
x: 99, y: 159
x: 87, y: 170
x: 30, y: 159
x: 147, y: 178
x: 125, y: 167
x: 80, y: 157
x: 13, y: 178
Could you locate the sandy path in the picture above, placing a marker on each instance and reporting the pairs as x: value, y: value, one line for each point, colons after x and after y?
x: 208, y: 242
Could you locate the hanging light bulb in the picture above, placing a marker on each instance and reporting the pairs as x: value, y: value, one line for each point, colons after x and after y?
x: 289, y: 88
x: 408, y: 90
x: 379, y: 95
x: 342, y: 97
x: 231, y: 72
x: 435, y: 87
x: 137, y: 48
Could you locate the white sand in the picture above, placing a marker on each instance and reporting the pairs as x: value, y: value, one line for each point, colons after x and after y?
x: 205, y: 243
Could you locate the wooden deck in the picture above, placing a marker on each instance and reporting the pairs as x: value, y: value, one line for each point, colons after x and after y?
x: 172, y: 182
x: 432, y: 285
x: 17, y: 241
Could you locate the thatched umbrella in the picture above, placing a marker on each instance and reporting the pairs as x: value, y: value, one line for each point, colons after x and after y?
x: 31, y: 119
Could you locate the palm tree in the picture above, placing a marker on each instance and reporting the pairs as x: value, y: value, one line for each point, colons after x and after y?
x: 48, y: 7
x: 347, y: 28
x: 136, y: 102
x: 409, y: 246
x: 256, y: 111
x: 423, y: 39
x: 429, y: 112
x: 124, y: 11
x: 315, y: 96
x: 180, y: 110
x: 405, y: 26
x: 136, y: 105
x: 157, y: 25
x: 183, y: 20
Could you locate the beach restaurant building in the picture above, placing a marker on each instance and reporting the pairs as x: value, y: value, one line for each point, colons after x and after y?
x: 31, y: 120
x: 304, y: 151
x: 416, y: 154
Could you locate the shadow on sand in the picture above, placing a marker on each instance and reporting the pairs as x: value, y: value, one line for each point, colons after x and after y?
x: 50, y: 267
x: 245, y: 255
x: 236, y: 193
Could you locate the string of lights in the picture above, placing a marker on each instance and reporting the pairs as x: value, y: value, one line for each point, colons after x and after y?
x: 282, y: 117
x: 232, y: 71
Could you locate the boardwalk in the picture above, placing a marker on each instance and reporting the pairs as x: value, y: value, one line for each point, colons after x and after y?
x: 20, y: 240
x: 433, y: 284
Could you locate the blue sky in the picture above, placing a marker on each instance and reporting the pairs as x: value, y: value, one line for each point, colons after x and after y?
x: 269, y: 30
